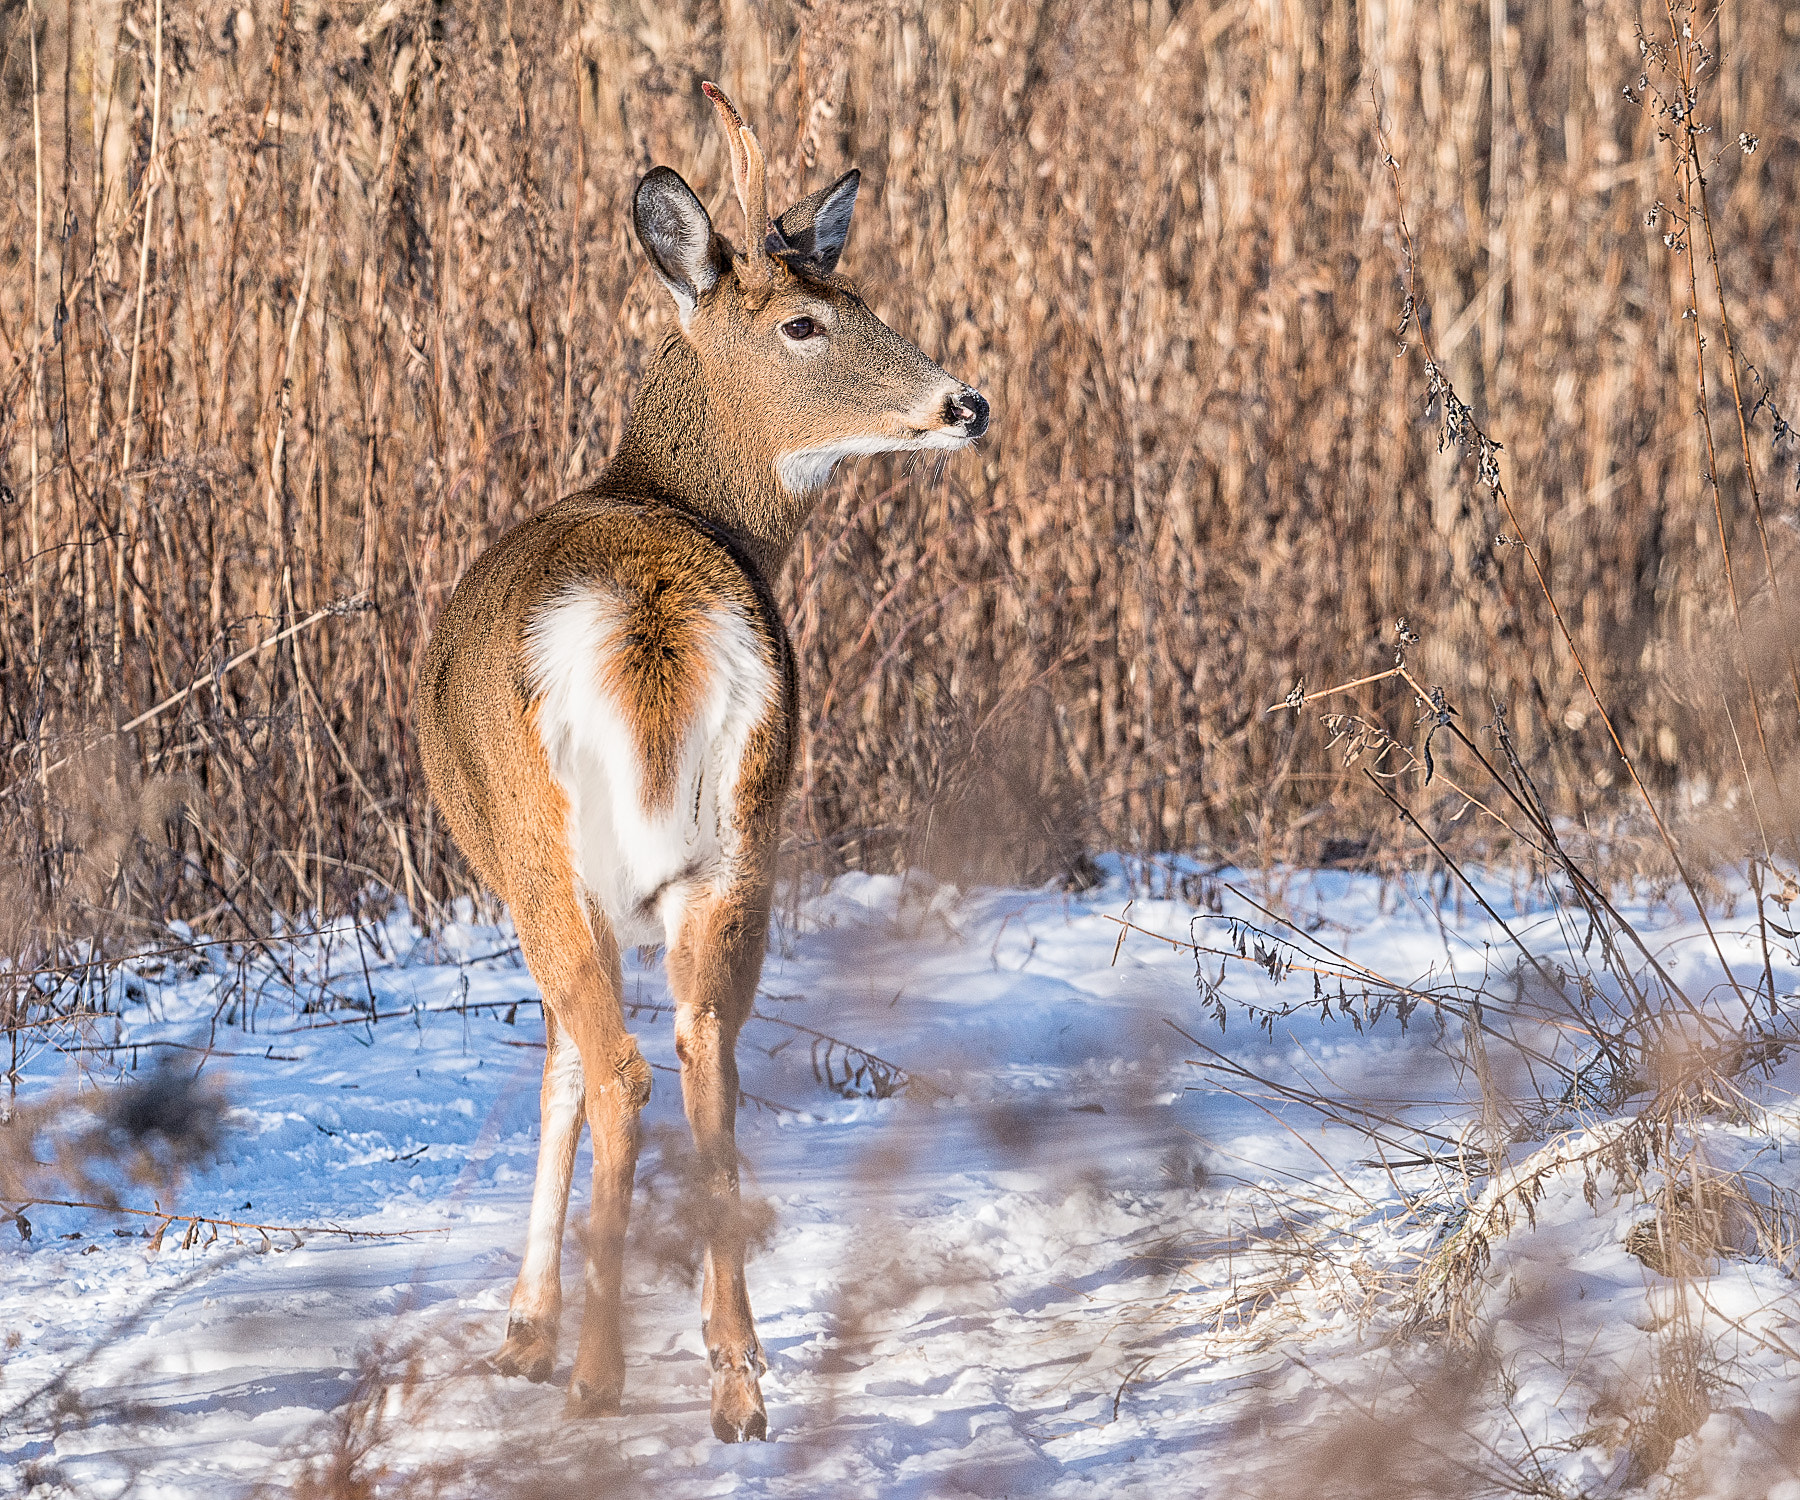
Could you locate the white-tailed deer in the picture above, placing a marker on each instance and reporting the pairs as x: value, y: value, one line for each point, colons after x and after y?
x: 608, y: 719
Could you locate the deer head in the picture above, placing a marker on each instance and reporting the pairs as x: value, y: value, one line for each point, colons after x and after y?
x: 788, y: 365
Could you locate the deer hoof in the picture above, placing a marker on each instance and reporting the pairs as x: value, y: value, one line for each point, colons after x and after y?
x: 737, y: 1407
x: 529, y: 1350
x: 591, y: 1400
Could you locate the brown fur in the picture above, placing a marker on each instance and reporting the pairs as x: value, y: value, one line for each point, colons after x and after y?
x: 651, y: 668
x: 690, y: 517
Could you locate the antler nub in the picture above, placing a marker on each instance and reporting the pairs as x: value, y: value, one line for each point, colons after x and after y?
x: 750, y: 178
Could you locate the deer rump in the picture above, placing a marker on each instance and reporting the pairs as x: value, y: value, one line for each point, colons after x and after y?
x: 646, y: 706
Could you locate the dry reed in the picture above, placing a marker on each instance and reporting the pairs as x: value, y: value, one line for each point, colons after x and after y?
x: 304, y: 301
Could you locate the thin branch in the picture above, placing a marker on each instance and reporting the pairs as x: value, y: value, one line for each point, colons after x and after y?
x: 337, y: 607
x: 1489, y: 467
x: 199, y: 1219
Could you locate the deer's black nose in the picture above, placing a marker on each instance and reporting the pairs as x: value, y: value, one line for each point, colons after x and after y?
x: 969, y: 408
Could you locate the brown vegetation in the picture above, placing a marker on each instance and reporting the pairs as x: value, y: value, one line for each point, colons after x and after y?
x: 304, y: 301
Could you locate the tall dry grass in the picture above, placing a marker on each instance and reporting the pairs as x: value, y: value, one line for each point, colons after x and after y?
x: 303, y: 302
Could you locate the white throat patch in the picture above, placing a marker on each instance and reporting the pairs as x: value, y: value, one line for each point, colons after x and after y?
x: 808, y: 469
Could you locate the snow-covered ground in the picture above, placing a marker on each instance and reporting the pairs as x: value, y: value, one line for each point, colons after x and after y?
x: 1066, y: 1260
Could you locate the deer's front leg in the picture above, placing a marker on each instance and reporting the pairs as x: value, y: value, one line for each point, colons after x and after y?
x: 531, y: 1324
x: 713, y: 969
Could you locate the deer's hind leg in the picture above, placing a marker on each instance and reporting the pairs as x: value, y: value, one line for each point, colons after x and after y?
x: 618, y: 1088
x: 594, y: 1069
x: 714, y: 965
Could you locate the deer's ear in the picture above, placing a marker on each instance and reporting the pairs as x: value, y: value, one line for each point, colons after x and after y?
x: 813, y: 231
x: 673, y: 227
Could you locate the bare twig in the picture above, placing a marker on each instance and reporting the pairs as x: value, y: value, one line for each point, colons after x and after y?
x: 1459, y: 426
x: 194, y: 1221
x: 337, y: 607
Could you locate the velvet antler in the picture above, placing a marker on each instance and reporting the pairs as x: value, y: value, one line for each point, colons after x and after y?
x: 751, y: 181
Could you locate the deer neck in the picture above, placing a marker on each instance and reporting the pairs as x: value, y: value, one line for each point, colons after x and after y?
x: 684, y: 447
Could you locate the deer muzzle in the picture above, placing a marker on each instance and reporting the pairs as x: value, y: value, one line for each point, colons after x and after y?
x: 968, y: 409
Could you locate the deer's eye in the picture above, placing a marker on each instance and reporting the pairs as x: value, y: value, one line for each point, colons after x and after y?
x: 799, y: 328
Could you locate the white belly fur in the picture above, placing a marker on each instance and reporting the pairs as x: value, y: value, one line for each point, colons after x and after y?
x: 623, y: 856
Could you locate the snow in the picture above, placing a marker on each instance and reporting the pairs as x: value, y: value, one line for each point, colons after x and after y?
x: 1066, y: 1261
